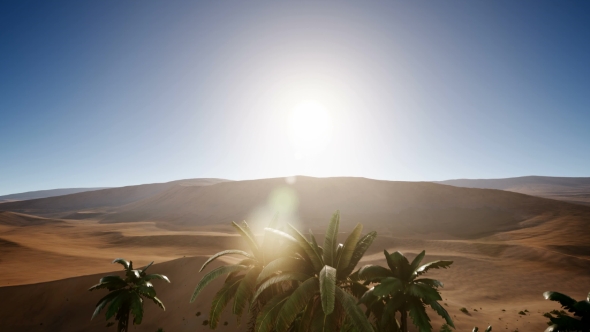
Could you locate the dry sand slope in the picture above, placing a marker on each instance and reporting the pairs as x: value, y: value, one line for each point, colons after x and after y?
x: 508, y: 248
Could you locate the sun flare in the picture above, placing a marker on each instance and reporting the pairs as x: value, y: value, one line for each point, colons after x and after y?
x: 310, y: 128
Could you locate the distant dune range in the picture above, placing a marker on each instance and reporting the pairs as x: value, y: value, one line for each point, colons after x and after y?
x: 575, y: 190
x: 508, y: 247
x: 44, y: 194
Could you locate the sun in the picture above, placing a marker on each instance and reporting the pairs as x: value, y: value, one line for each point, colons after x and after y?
x: 310, y: 128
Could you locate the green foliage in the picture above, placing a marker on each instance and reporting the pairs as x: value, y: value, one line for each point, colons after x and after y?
x: 561, y: 320
x: 464, y: 310
x: 127, y: 294
x: 240, y: 284
x: 322, y: 286
x: 400, y: 290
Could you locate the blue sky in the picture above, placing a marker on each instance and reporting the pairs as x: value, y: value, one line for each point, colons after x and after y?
x: 112, y: 93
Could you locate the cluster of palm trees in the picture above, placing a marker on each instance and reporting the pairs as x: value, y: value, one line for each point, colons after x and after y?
x: 291, y: 283
x: 288, y: 282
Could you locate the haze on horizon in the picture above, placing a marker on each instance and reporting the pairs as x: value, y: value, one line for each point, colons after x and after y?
x: 109, y: 93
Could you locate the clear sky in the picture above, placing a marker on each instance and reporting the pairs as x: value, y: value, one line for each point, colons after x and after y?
x: 112, y: 93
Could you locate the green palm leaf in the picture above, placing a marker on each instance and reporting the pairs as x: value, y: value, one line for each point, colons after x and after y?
x: 424, y: 292
x: 353, y: 312
x: 248, y: 236
x: 296, y: 303
x: 359, y: 251
x: 143, y: 269
x: 331, y: 240
x: 245, y: 291
x: 347, y: 250
x: 136, y: 308
x: 156, y: 276
x: 565, y: 301
x: 417, y: 260
x: 282, y: 264
x: 147, y: 289
x: 430, y: 282
x: 209, y: 277
x: 328, y: 288
x: 116, y: 304
x: 123, y: 262
x: 374, y: 272
x: 433, y: 265
x: 288, y: 276
x: 105, y: 300
x: 158, y: 302
x: 267, y: 316
x: 221, y: 300
x: 389, y: 285
x: 419, y: 317
x: 223, y: 253
x: 313, y: 255
x: 442, y: 312
x: 388, y: 316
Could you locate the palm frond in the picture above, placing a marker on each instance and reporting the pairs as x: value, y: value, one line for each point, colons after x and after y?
x: 424, y: 292
x: 282, y: 264
x: 123, y: 262
x: 136, y: 307
x: 296, y: 303
x: 331, y: 240
x: 248, y: 237
x: 223, y: 253
x: 265, y: 320
x: 347, y: 250
x: 417, y: 260
x: 387, y: 286
x: 288, y: 276
x: 245, y: 291
x: 565, y: 301
x: 354, y: 314
x: 374, y: 273
x: 359, y: 251
x: 156, y: 276
x: 433, y: 265
x: 442, y: 312
x: 328, y: 288
x: 209, y: 277
x: 313, y: 255
x: 419, y: 317
x: 105, y: 300
x: 221, y: 300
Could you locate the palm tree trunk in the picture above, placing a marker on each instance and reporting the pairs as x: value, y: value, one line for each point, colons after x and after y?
x: 404, y: 326
x: 123, y: 325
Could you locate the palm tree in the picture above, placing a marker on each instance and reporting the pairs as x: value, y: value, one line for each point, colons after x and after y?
x: 401, y: 290
x: 126, y: 295
x: 314, y: 284
x: 240, y: 283
x: 561, y: 321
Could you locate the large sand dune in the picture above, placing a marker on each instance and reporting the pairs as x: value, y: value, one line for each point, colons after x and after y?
x: 575, y: 190
x: 508, y: 248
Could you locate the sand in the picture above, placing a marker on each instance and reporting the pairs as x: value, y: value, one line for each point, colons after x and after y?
x: 508, y: 248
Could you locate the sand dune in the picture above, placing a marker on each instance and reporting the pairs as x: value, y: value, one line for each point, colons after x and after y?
x: 101, y: 200
x: 508, y: 247
x: 575, y: 190
x: 44, y: 193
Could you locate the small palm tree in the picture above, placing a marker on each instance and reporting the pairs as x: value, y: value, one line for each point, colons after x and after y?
x: 401, y: 290
x: 240, y: 283
x: 126, y: 295
x: 314, y: 284
x: 561, y: 321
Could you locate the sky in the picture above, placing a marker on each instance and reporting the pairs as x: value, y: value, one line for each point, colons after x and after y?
x: 114, y: 93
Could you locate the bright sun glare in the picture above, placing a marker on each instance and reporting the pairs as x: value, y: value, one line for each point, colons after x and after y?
x: 310, y: 128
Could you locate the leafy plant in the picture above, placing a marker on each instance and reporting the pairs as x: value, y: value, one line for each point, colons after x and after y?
x: 401, y: 289
x: 464, y: 310
x: 240, y: 283
x: 561, y: 321
x: 126, y: 295
x: 315, y: 284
